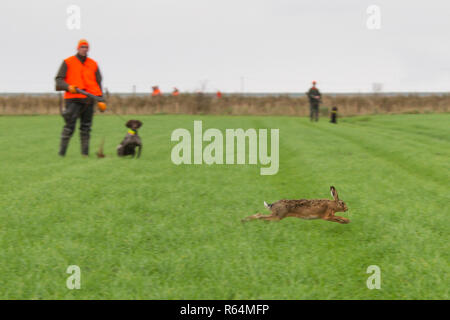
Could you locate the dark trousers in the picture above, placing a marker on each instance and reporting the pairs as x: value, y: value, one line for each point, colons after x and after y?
x: 72, y: 111
x: 314, y: 111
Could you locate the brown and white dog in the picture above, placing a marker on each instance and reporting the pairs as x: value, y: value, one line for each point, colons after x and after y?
x: 131, y: 141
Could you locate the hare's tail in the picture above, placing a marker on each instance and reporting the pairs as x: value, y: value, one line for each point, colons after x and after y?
x: 268, y: 205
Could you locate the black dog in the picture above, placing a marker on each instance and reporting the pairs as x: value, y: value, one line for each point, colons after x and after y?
x: 131, y: 141
x: 333, y: 118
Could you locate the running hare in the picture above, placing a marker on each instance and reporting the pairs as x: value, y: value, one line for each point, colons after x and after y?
x: 305, y: 209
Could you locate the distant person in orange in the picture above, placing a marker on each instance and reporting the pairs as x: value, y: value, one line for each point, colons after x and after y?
x: 219, y: 94
x: 175, y: 92
x: 156, y: 92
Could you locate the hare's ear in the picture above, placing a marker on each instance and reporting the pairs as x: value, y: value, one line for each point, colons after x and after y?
x: 139, y: 124
x: 334, y: 193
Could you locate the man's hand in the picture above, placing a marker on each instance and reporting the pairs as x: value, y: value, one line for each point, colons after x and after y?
x: 101, y: 106
x: 72, y: 89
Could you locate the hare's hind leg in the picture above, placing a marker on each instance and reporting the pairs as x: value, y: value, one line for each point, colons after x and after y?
x: 277, y: 213
x: 261, y: 217
x: 252, y: 217
x: 270, y: 217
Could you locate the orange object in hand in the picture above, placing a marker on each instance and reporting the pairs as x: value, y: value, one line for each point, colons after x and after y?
x: 101, y: 106
x: 72, y: 89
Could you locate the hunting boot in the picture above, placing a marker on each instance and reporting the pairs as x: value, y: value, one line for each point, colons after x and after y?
x: 70, y: 115
x: 84, y: 144
x: 65, y: 138
x: 63, y: 146
x: 86, y: 115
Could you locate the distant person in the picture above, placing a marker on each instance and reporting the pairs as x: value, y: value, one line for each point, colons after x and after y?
x: 314, y: 97
x: 175, y: 92
x: 78, y: 72
x: 218, y: 94
x: 156, y: 92
x: 333, y: 116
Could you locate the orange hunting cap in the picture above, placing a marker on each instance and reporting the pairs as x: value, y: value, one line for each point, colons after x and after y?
x: 82, y: 42
x: 314, y: 82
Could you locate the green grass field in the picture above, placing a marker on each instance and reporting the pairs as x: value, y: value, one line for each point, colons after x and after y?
x: 148, y: 229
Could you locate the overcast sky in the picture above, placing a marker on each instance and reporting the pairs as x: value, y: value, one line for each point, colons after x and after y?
x: 262, y: 45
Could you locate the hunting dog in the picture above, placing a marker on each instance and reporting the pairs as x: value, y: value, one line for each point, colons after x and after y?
x: 131, y: 141
x: 305, y: 209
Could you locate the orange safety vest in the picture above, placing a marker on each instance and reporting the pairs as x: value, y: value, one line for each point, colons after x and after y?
x: 156, y: 92
x: 81, y: 75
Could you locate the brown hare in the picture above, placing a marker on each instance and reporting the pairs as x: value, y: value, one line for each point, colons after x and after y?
x: 305, y: 209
